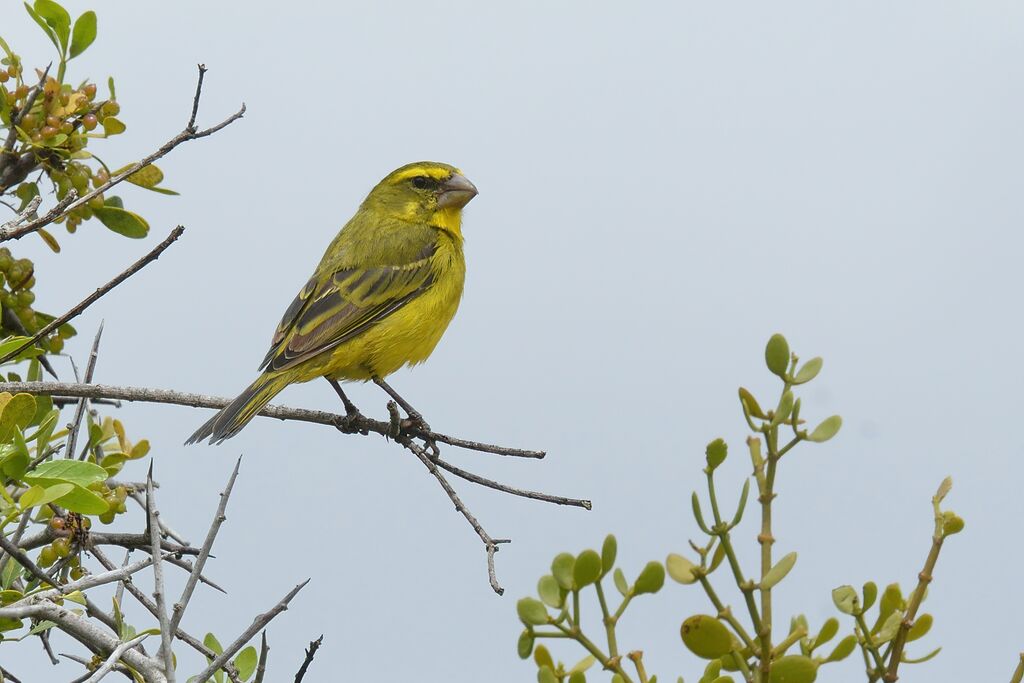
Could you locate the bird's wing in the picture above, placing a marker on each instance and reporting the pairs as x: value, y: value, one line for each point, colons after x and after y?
x: 335, y: 307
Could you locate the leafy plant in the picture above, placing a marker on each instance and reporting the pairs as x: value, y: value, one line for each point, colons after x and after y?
x: 739, y: 642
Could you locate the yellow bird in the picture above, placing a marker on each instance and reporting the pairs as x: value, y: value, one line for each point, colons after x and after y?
x: 382, y: 296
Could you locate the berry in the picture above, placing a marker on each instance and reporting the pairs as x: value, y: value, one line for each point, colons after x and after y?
x: 47, y: 556
x: 4, y: 76
x: 62, y: 547
x: 110, y: 108
x: 48, y: 131
x: 77, y: 573
x: 107, y: 517
x: 89, y: 121
x: 26, y: 298
x: 57, y: 523
x: 89, y: 90
x: 13, y: 70
x: 52, y: 121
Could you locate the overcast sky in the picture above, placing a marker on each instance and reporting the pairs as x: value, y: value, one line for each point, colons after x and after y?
x: 662, y: 186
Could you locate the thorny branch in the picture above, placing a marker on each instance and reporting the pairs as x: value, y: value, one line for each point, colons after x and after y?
x: 410, y: 431
x: 15, y: 230
x: 95, y: 296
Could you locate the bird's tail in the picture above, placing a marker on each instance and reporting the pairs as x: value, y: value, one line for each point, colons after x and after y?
x: 232, y: 417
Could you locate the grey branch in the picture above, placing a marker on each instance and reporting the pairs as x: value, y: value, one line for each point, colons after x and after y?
x: 95, y: 296
x: 258, y: 623
x: 87, y: 633
x: 189, y: 133
x: 310, y: 653
x: 204, y: 552
x: 166, y: 632
x: 114, y: 658
x: 83, y: 404
x: 361, y: 424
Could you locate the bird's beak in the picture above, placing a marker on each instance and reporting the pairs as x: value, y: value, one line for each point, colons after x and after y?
x: 456, y: 192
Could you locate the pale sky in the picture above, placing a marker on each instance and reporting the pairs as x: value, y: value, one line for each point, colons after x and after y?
x: 662, y: 186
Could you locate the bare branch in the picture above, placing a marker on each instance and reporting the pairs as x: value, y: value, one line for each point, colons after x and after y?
x: 87, y: 633
x: 258, y: 623
x: 261, y: 666
x: 83, y: 404
x: 95, y: 296
x: 114, y: 657
x: 361, y: 425
x: 310, y: 653
x: 505, y: 488
x: 166, y: 632
x: 189, y: 133
x: 204, y: 552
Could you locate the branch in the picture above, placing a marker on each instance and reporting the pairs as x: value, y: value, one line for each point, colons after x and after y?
x: 258, y: 623
x: 359, y: 425
x: 114, y: 657
x: 166, y: 632
x: 204, y: 552
x: 189, y: 133
x: 83, y: 404
x: 310, y: 653
x: 95, y: 296
x: 85, y: 632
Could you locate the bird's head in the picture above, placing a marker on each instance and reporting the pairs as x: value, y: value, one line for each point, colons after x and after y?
x: 423, y: 192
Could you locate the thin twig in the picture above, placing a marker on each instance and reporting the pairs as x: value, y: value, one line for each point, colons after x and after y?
x: 204, y: 552
x: 166, y: 632
x: 261, y: 666
x: 150, y: 606
x: 258, y: 623
x: 95, y: 296
x: 115, y: 656
x: 505, y: 488
x: 189, y: 133
x: 360, y: 425
x: 83, y: 404
x: 310, y: 653
x: 490, y: 544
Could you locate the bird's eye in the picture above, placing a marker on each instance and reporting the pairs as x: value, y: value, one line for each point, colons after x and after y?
x: 420, y: 182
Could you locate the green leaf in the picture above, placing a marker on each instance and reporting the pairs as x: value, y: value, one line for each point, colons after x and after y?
x: 750, y: 404
x: 123, y: 222
x: 951, y: 523
x: 587, y: 569
x: 808, y: 371
x: 779, y: 571
x: 870, y: 594
x: 524, y: 646
x: 698, y: 515
x: 717, y: 557
x: 845, y: 599
x: 246, y: 662
x: 38, y: 495
x: 680, y: 569
x: 843, y: 649
x: 550, y: 592
x: 147, y: 176
x: 651, y: 579
x: 580, y: 677
x: 113, y: 126
x: 794, y: 669
x: 546, y: 675
x: 826, y: 430
x: 609, y: 549
x: 784, y: 409
x: 83, y: 34
x: 17, y: 414
x: 57, y: 18
x: 542, y: 657
x: 715, y: 453
x: 16, y: 459
x: 84, y: 501
x: 620, y: 582
x: 73, y: 471
x: 920, y: 660
x: 920, y: 627
x: 828, y: 632
x: 889, y: 628
x: 561, y: 569
x: 43, y: 25
x: 583, y: 664
x: 532, y: 612
x: 706, y: 637
x: 10, y: 572
x: 776, y: 355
